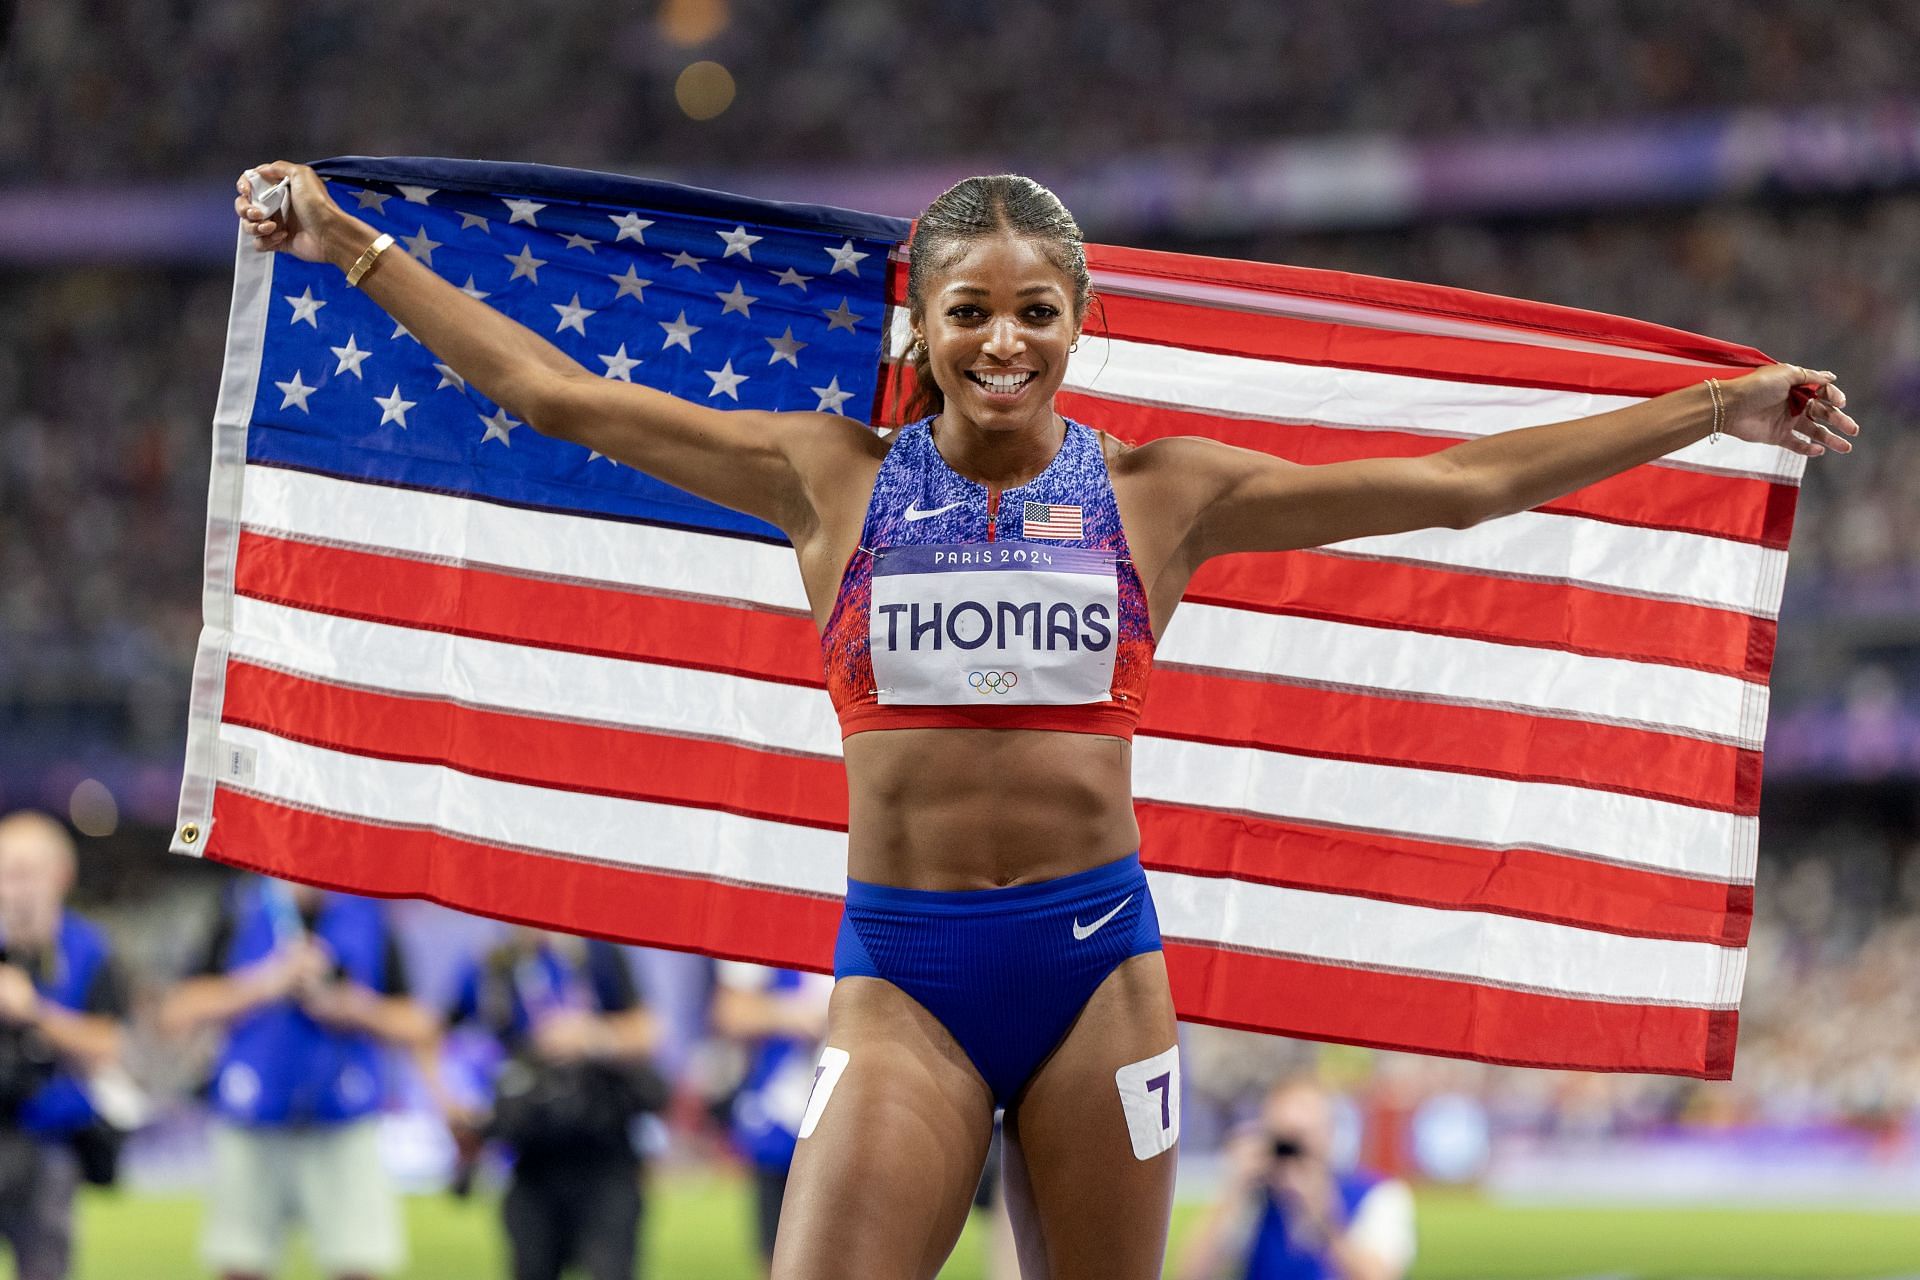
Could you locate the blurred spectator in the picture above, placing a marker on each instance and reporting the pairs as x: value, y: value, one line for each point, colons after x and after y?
x: 62, y: 1004
x: 308, y: 987
x: 571, y: 1079
x: 1284, y: 1212
x: 780, y: 1015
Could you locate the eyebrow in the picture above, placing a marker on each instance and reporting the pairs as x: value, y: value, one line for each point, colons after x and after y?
x: 979, y: 289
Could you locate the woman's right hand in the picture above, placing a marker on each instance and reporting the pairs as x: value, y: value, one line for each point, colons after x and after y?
x: 308, y: 222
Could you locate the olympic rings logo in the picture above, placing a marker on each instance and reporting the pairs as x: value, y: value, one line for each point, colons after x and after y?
x: 985, y: 682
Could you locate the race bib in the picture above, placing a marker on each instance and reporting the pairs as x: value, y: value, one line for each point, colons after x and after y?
x: 999, y: 624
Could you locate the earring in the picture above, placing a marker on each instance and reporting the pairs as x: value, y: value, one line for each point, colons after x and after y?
x: 1075, y: 347
x: 919, y: 346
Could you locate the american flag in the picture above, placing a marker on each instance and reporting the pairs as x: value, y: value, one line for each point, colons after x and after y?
x: 1055, y: 520
x: 1487, y: 792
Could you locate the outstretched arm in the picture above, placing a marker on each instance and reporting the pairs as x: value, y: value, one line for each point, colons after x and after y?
x: 752, y: 461
x: 1242, y: 500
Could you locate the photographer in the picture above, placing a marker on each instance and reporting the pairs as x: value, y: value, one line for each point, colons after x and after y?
x: 572, y: 1075
x: 309, y: 987
x: 1284, y: 1212
x: 62, y: 1005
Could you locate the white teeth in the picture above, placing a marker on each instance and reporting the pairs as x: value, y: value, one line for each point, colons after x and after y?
x: 1003, y: 381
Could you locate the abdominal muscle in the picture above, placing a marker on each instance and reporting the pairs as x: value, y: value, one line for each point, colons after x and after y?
x: 958, y: 809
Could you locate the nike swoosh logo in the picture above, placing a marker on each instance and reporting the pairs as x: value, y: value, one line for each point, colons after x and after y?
x: 1081, y: 932
x: 914, y: 512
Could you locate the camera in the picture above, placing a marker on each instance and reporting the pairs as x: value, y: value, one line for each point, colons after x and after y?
x: 1287, y: 1148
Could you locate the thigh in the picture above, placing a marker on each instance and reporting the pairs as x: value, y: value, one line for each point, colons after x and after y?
x: 607, y: 1227
x: 881, y: 1185
x: 248, y: 1195
x: 348, y: 1203
x: 535, y: 1240
x: 1089, y: 1157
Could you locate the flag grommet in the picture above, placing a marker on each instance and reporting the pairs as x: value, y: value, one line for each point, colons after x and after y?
x: 190, y: 833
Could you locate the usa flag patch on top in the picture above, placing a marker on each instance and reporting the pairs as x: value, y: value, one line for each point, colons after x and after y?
x: 1052, y: 520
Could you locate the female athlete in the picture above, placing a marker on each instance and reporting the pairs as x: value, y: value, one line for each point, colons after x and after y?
x: 989, y: 582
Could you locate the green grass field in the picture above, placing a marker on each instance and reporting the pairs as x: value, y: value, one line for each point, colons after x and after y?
x: 697, y: 1229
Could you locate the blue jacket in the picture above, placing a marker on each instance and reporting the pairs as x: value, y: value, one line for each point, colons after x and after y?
x: 60, y: 1106
x: 1276, y: 1256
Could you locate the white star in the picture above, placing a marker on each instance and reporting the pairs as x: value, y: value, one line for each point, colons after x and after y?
x: 572, y: 316
x: 448, y: 378
x: 525, y: 264
x: 400, y: 331
x: 594, y: 455
x: 619, y: 365
x: 305, y: 307
x: 418, y: 195
x: 350, y: 358
x: 523, y: 211
x: 792, y: 277
x: 499, y: 427
x: 375, y: 200
x: 474, y: 220
x: 473, y: 292
x: 296, y: 392
x: 685, y: 259
x: 846, y: 258
x: 630, y: 283
x: 725, y: 380
x: 420, y: 245
x: 832, y: 397
x: 579, y: 242
x: 737, y: 300
x: 740, y: 242
x: 632, y: 226
x: 786, y: 347
x: 839, y: 317
x: 393, y: 408
x: 679, y: 333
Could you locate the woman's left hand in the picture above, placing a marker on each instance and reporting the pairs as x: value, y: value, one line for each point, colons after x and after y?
x: 1786, y: 405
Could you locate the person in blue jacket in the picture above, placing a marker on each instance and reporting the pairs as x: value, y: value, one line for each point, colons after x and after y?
x: 310, y: 988
x: 63, y: 1004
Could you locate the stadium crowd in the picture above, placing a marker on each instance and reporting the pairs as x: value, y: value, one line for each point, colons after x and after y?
x: 455, y: 79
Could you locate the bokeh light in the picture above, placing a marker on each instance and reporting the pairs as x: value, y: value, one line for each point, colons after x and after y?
x: 93, y: 810
x: 691, y: 22
x: 704, y: 90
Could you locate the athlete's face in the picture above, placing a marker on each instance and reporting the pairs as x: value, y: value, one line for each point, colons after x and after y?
x: 997, y: 320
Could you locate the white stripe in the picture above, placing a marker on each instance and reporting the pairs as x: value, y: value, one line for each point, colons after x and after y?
x: 1478, y: 672
x: 443, y: 527
x: 1512, y: 952
x: 1461, y: 808
x: 541, y: 682
x: 636, y: 833
x: 673, y: 838
x: 1278, y: 391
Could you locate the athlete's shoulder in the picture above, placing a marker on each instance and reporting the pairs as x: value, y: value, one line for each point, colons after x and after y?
x: 830, y: 437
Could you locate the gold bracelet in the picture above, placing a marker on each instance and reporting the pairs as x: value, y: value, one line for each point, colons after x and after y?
x: 1719, y: 410
x: 364, y: 263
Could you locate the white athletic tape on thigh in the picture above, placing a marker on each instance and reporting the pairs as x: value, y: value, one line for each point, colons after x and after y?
x: 1150, y: 1093
x: 826, y: 1075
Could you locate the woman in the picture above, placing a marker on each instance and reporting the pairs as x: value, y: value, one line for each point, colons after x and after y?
x: 989, y: 582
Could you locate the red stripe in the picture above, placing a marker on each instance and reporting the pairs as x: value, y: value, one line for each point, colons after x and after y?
x: 493, y: 605
x: 1436, y: 1015
x: 795, y: 930
x: 596, y: 759
x: 1526, y: 883
x: 784, y: 787
x: 1338, y: 725
x: 1651, y: 497
x: 626, y: 904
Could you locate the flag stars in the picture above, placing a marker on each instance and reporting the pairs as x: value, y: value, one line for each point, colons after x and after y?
x: 350, y: 356
x: 619, y: 365
x: 374, y: 200
x: 418, y: 195
x: 525, y: 211
x: 400, y: 331
x: 786, y: 347
x: 679, y: 333
x: 840, y: 317
x: 576, y: 241
x: 525, y: 264
x: 473, y: 291
x: 448, y: 378
x: 832, y: 397
x: 393, y: 408
x: 724, y: 381
x: 295, y: 393
x: 420, y: 245
x: 846, y: 258
x: 739, y: 241
x: 630, y: 284
x: 684, y: 259
x: 572, y: 316
x: 792, y: 277
x: 499, y: 427
x: 468, y: 220
x: 305, y: 307
x: 737, y: 300
x: 632, y: 226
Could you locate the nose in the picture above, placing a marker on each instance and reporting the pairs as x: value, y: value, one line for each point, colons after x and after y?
x: 1003, y: 339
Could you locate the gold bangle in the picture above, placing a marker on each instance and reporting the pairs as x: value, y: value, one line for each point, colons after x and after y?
x: 364, y: 263
x: 1719, y: 409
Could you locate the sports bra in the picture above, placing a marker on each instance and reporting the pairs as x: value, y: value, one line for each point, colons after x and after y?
x: 966, y: 608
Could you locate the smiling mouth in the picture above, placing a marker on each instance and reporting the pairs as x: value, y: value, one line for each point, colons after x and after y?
x: 1003, y: 384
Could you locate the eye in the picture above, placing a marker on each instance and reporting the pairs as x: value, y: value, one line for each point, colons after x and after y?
x: 965, y: 311
x: 1043, y: 311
